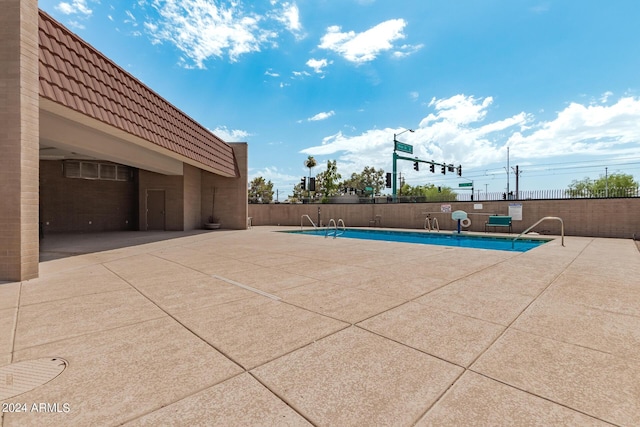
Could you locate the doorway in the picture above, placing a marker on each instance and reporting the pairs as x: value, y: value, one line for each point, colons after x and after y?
x: 155, y: 210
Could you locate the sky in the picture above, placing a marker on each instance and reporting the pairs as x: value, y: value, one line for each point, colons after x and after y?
x: 550, y: 86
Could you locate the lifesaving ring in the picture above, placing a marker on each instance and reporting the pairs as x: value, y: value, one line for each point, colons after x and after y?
x: 465, y: 222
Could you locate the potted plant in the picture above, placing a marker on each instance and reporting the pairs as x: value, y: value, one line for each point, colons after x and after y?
x: 214, y: 222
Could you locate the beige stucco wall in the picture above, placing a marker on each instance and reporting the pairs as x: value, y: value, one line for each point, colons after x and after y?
x: 593, y: 217
x: 19, y: 100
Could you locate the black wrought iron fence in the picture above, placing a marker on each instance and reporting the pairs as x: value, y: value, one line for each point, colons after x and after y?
x: 495, y: 196
x: 552, y: 194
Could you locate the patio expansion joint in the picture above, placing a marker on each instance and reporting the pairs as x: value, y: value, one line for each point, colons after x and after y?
x: 175, y: 319
x: 614, y: 355
x: 179, y: 399
x: 15, y: 324
x: 283, y: 399
x: 534, y: 299
x: 470, y: 369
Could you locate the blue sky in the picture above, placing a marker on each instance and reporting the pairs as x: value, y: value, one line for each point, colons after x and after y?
x: 558, y: 82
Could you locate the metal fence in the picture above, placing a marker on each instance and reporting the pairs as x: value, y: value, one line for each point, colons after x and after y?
x: 551, y: 194
x: 565, y: 194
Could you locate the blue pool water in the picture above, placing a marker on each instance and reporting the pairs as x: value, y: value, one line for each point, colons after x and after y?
x: 442, y: 238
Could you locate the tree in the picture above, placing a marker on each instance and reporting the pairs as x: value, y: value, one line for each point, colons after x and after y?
x: 428, y: 192
x: 260, y: 191
x: 298, y: 193
x: 614, y: 185
x: 369, y: 177
x: 310, y: 163
x: 327, y: 181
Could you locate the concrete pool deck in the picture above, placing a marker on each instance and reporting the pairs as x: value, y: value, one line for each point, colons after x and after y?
x: 261, y: 328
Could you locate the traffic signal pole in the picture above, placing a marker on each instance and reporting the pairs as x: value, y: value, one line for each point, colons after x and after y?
x: 394, y: 177
x: 397, y: 145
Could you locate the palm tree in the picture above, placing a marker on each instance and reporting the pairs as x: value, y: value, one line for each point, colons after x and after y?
x: 310, y: 163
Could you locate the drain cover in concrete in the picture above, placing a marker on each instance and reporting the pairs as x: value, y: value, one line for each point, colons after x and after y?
x: 21, y: 377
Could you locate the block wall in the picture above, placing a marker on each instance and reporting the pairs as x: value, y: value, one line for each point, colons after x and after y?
x: 19, y: 145
x: 231, y: 193
x: 585, y: 217
x: 84, y: 205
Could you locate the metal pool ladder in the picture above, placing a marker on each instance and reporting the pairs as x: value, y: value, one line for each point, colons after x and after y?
x: 431, y: 225
x: 310, y: 220
x: 335, y: 232
x: 513, y: 242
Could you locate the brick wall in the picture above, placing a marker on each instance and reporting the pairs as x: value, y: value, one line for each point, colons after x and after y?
x: 192, y: 197
x: 592, y: 217
x: 84, y: 205
x: 173, y: 186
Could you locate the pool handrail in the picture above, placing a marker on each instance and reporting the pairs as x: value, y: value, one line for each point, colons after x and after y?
x: 310, y: 220
x: 431, y: 225
x: 513, y: 242
x: 335, y: 228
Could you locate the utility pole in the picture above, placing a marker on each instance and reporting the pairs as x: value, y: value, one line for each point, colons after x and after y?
x: 606, y: 182
x: 516, y: 170
x: 507, y: 171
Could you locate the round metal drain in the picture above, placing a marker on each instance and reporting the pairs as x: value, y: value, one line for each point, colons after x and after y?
x: 21, y: 377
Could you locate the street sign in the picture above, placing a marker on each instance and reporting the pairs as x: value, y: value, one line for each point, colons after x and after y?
x: 405, y: 148
x: 465, y: 184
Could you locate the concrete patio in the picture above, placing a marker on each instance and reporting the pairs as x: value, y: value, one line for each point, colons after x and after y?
x: 262, y: 328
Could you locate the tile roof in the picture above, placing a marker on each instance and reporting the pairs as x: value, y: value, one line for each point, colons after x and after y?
x: 76, y: 75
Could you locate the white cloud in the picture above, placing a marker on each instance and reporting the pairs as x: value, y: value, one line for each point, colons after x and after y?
x: 457, y: 131
x: 201, y: 29
x: 321, y: 116
x: 131, y: 18
x: 365, y: 46
x: 271, y: 73
x: 580, y: 129
x: 290, y: 17
x: 75, y: 7
x: 271, y: 173
x: 605, y: 97
x: 230, y: 135
x: 318, y: 64
x: 406, y: 50
x: 300, y: 74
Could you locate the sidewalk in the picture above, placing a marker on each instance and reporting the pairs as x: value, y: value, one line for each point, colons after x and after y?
x: 261, y: 328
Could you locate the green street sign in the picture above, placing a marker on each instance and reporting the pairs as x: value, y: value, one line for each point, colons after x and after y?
x: 368, y: 189
x: 465, y: 184
x: 405, y: 148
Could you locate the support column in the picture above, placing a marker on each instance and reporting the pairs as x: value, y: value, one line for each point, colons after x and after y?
x: 19, y: 144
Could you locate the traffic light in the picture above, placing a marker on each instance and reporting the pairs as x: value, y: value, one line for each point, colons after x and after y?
x: 388, y: 179
x: 451, y: 168
x: 504, y: 196
x: 432, y: 168
x: 439, y: 189
x: 303, y: 182
x: 443, y: 169
x: 459, y: 170
x: 312, y: 184
x: 416, y: 166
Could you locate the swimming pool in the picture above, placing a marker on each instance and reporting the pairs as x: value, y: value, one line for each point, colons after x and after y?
x: 497, y: 243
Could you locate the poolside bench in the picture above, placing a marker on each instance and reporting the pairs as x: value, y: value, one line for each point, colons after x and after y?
x: 498, y: 221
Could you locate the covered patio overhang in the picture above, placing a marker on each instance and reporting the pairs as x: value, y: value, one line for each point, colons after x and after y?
x: 68, y: 134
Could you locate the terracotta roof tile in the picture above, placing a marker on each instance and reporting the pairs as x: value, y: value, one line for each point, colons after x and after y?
x: 74, y: 74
